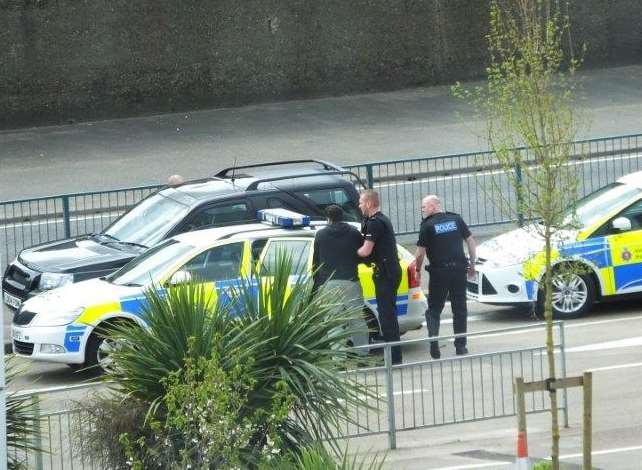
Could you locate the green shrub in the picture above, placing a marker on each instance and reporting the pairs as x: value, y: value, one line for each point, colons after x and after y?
x: 23, y: 424
x: 204, y: 425
x: 277, y: 351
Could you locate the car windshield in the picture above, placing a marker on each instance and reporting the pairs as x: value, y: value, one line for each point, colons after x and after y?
x: 148, y: 222
x: 146, y: 268
x: 597, y: 205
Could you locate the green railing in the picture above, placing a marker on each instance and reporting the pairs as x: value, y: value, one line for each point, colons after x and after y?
x: 463, y: 181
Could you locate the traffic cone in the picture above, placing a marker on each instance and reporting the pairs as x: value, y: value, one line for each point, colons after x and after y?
x: 522, y: 462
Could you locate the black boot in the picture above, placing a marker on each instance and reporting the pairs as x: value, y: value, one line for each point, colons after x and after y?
x: 435, y: 353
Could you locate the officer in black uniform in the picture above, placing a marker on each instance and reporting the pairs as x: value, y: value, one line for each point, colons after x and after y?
x: 380, y: 247
x: 441, y: 237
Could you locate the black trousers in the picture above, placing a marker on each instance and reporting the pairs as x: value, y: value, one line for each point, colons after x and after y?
x: 444, y: 282
x: 386, y: 285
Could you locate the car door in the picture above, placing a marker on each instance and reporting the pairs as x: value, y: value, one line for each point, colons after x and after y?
x: 626, y: 250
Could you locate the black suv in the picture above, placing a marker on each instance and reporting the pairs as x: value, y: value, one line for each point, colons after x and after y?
x: 231, y: 197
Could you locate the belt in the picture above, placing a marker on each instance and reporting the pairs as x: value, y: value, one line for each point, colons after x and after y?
x: 447, y: 265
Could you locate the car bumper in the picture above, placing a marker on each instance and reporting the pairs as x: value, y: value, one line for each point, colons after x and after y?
x: 37, y: 342
x: 415, y: 312
x: 501, y: 285
x: 19, y: 284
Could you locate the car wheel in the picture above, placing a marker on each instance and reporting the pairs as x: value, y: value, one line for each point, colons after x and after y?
x: 572, y: 297
x: 98, y: 352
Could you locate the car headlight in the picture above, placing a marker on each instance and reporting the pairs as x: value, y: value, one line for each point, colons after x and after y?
x: 52, y: 280
x: 61, y: 318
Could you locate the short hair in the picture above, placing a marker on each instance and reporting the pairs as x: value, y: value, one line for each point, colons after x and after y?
x: 334, y: 213
x: 372, y: 196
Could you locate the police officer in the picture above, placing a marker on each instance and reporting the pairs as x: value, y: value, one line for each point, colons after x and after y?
x: 441, y: 237
x: 380, y: 247
x: 335, y: 264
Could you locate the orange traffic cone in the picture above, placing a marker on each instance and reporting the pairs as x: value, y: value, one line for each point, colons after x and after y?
x: 522, y: 462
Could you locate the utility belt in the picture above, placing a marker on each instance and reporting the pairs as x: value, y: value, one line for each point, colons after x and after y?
x: 383, y: 269
x: 447, y: 265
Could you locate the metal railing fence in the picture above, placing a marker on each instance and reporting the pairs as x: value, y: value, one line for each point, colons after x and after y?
x: 453, y: 390
x: 468, y: 183
x: 405, y: 397
x: 465, y: 183
x: 28, y: 222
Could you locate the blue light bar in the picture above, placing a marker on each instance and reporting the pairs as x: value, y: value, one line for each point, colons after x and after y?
x: 283, y: 217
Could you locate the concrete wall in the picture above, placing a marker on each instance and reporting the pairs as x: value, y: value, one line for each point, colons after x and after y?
x: 63, y: 60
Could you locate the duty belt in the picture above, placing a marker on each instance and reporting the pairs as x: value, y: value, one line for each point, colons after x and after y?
x: 446, y: 265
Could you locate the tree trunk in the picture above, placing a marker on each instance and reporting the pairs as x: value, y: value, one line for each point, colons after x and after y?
x: 550, y: 351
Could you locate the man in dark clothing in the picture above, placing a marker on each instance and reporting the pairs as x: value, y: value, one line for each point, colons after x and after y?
x: 335, y: 263
x: 380, y: 248
x: 441, y: 236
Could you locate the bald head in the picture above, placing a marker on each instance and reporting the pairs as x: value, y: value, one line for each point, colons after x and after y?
x: 430, y: 205
x: 175, y: 180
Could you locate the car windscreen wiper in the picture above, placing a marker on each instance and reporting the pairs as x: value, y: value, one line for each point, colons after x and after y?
x: 121, y: 242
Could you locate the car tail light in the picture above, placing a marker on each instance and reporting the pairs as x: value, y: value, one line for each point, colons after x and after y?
x: 413, y: 280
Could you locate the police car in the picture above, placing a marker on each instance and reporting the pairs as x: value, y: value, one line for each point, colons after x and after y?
x: 61, y: 325
x: 608, y: 247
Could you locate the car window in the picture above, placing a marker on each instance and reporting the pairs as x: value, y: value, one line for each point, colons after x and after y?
x: 219, y: 215
x: 148, y: 222
x: 324, y: 197
x: 298, y: 251
x: 217, y: 264
x: 633, y: 213
x: 593, y: 207
x: 149, y: 266
x: 277, y: 203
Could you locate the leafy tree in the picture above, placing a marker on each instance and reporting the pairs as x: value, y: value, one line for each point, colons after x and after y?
x: 529, y: 101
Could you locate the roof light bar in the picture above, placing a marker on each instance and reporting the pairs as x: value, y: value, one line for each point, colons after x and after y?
x: 283, y: 217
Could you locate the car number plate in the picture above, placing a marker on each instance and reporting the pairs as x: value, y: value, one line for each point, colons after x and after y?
x: 17, y: 333
x: 11, y: 300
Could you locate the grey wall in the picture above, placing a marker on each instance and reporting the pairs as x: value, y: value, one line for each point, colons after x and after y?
x: 63, y: 60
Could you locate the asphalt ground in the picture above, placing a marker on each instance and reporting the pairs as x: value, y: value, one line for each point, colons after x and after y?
x: 350, y: 129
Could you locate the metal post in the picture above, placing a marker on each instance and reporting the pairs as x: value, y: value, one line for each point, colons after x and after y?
x: 66, y: 219
x: 519, y: 188
x: 390, y: 398
x: 522, y: 461
x: 369, y: 177
x: 563, y: 367
x: 3, y: 394
x: 588, y: 420
x: 37, y: 439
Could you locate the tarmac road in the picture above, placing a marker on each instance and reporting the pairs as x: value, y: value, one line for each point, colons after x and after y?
x: 350, y: 129
x: 608, y: 341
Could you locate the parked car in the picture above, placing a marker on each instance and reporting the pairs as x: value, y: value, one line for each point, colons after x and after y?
x: 231, y: 197
x: 606, y: 252
x: 63, y: 325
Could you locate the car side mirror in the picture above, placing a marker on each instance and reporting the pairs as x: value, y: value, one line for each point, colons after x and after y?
x: 180, y: 277
x: 622, y: 224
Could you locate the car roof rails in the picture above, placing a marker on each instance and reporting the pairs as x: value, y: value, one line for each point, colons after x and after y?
x: 329, y: 169
x: 327, y: 166
x: 255, y: 184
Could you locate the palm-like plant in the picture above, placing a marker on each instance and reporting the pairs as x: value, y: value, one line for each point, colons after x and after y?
x: 23, y: 424
x: 317, y: 458
x: 294, y: 336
